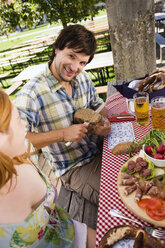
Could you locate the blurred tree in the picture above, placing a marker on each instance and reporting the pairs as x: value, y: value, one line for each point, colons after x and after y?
x: 18, y: 13
x: 72, y: 11
x: 29, y: 13
x: 9, y: 18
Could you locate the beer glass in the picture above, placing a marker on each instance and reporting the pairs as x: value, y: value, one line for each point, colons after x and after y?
x: 141, y: 104
x: 158, y: 112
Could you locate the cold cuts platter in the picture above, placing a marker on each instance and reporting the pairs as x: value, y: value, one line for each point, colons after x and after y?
x: 130, y: 199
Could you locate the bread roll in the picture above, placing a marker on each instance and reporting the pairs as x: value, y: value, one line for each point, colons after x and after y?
x: 125, y: 147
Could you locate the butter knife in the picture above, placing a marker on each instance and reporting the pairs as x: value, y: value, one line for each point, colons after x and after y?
x: 124, y: 117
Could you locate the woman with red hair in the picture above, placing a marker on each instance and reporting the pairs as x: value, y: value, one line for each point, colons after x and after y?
x: 29, y: 216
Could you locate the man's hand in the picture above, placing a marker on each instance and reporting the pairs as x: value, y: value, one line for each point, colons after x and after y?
x: 103, y: 130
x: 75, y: 132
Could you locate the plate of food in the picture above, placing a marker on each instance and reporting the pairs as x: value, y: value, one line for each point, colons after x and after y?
x: 141, y: 180
x: 129, y: 237
x: 141, y: 188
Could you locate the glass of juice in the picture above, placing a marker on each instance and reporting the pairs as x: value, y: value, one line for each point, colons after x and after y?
x: 158, y: 112
x: 141, y: 104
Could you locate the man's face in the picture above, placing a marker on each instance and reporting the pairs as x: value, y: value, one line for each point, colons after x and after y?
x: 67, y: 64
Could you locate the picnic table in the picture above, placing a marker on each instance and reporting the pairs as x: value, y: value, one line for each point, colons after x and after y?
x: 111, y: 164
x: 159, y: 16
x: 28, y: 73
x: 15, y: 63
x: 100, y: 63
x: 159, y: 20
x: 3, y: 77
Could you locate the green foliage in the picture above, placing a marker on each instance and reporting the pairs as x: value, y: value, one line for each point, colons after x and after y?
x: 9, y: 18
x: 18, y: 14
x: 21, y: 13
x: 71, y: 11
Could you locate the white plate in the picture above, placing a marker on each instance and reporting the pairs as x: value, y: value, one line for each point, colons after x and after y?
x: 124, y: 243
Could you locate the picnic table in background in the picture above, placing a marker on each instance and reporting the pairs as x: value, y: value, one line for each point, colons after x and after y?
x: 28, y: 73
x: 17, y: 63
x: 100, y: 63
x: 3, y: 76
x: 97, y: 27
x: 159, y: 20
x: 20, y: 57
x: 160, y: 16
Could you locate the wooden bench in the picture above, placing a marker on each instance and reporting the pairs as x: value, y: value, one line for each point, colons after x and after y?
x: 13, y: 87
x: 79, y: 208
x: 160, y: 40
x: 101, y: 89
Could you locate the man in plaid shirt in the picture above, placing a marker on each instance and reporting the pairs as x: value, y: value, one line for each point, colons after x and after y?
x: 48, y: 102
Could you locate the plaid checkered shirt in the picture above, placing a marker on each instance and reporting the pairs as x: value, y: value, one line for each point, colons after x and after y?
x: 45, y: 105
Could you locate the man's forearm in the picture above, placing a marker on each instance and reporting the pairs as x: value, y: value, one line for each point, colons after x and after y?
x: 39, y: 140
x: 72, y: 133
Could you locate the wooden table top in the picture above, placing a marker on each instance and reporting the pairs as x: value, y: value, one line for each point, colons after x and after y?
x: 100, y: 60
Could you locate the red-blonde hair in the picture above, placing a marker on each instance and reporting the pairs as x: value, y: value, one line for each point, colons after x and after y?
x: 7, y: 169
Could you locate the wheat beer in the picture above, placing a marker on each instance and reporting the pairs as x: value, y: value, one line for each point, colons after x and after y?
x: 141, y: 104
x: 158, y: 112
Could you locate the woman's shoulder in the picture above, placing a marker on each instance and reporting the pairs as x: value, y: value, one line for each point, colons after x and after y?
x: 28, y: 172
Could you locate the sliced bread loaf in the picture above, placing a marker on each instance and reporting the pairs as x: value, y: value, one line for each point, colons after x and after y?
x: 90, y: 116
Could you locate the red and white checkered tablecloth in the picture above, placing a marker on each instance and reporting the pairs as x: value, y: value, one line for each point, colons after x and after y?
x: 111, y: 164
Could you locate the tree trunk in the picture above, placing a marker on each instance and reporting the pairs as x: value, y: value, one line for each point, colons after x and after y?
x: 132, y: 34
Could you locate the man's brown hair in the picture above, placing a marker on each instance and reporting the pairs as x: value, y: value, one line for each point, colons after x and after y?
x: 76, y: 37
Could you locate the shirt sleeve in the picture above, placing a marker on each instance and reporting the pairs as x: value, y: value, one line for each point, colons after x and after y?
x: 28, y: 110
x: 95, y: 100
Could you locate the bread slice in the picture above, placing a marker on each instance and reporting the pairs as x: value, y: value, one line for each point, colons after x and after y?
x: 90, y: 116
x: 142, y: 238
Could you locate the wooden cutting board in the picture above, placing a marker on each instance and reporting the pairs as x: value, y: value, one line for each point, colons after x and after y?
x: 130, y: 203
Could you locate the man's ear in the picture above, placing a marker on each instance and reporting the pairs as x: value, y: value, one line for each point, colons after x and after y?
x: 56, y: 51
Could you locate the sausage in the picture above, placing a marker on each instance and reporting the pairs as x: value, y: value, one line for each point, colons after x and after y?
x: 138, y: 194
x: 130, y: 189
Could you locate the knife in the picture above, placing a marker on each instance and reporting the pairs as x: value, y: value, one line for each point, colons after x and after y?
x: 87, y: 123
x: 124, y: 117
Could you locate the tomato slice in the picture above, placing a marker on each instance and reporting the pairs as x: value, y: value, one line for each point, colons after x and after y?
x: 150, y: 213
x: 151, y: 203
x: 160, y: 211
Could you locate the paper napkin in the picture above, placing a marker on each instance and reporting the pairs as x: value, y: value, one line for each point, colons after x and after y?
x: 120, y: 132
